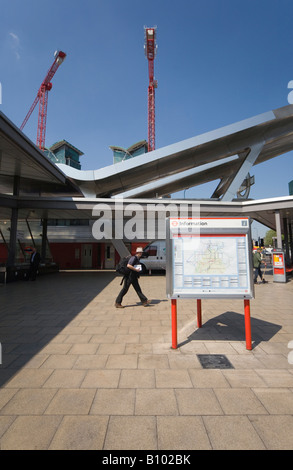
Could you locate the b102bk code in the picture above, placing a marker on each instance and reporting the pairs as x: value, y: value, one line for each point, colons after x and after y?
x: 168, y: 459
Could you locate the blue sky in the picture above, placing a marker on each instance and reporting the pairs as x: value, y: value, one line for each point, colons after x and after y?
x: 218, y: 62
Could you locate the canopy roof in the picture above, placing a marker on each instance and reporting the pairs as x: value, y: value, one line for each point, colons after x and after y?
x: 215, y: 155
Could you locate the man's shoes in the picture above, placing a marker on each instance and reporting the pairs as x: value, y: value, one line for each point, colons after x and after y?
x: 118, y: 305
x: 146, y: 303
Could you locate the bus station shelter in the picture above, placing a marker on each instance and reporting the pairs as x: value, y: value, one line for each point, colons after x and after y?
x: 33, y: 187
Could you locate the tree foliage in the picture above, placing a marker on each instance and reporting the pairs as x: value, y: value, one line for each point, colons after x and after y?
x: 269, y: 237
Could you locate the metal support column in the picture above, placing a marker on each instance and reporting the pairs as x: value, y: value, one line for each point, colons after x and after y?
x: 44, y: 240
x: 286, y: 238
x: 120, y: 247
x: 290, y: 241
x: 13, y: 226
x: 244, y: 169
x: 278, y: 229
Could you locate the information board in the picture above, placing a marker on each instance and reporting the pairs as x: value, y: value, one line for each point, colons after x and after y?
x: 209, y: 257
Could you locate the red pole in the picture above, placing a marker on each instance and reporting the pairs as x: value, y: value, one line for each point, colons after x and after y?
x: 174, y: 322
x: 247, y: 324
x: 199, y: 323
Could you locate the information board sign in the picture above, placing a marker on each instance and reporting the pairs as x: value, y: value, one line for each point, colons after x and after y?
x: 209, y: 257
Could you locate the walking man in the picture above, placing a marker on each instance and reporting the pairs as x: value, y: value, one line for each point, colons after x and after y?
x: 132, y: 278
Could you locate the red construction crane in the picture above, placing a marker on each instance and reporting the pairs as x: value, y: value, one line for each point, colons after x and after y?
x: 42, y: 98
x: 150, y: 47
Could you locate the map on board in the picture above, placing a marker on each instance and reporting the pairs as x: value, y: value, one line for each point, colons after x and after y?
x: 209, y: 265
x: 211, y: 256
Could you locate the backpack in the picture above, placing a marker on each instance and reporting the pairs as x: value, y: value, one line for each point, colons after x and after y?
x: 122, y: 266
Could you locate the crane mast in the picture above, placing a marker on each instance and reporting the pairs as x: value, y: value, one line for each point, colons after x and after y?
x: 42, y: 99
x: 150, y: 47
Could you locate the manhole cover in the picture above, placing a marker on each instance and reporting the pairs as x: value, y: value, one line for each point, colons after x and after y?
x: 214, y: 361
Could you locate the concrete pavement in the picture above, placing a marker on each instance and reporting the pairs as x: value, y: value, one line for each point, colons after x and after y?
x: 77, y: 373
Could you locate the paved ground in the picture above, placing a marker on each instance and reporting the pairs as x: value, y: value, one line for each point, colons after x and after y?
x: 77, y: 373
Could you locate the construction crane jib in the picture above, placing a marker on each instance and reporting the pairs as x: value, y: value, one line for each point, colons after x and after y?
x: 150, y: 47
x: 42, y: 99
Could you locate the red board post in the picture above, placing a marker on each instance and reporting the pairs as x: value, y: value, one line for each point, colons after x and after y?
x: 247, y: 324
x: 174, y: 323
x: 199, y: 321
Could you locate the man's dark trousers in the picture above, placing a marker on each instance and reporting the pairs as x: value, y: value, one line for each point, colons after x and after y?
x: 132, y: 278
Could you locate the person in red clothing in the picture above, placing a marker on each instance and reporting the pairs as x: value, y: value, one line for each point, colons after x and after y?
x: 132, y: 278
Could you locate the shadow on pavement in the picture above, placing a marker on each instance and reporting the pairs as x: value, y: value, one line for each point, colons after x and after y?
x: 33, y: 313
x: 230, y: 326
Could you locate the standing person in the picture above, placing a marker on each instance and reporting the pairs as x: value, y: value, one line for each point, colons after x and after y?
x: 257, y: 264
x: 34, y: 264
x: 132, y: 278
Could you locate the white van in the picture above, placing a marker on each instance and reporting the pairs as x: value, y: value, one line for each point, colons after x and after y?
x: 154, y: 255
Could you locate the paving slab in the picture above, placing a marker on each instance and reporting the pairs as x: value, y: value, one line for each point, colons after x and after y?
x: 71, y: 402
x: 28, y: 401
x: 275, y: 431
x: 182, y: 433
x: 80, y: 433
x: 131, y: 433
x: 113, y: 402
x: 232, y: 433
x: 198, y: 402
x: 30, y: 433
